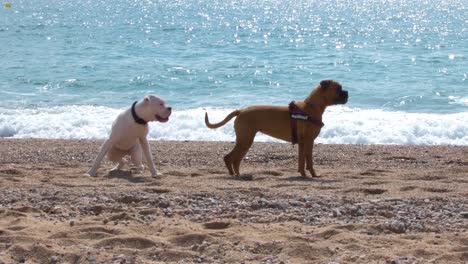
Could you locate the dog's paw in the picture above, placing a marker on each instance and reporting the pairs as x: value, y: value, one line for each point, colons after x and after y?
x: 303, y: 174
x: 156, y: 174
x: 313, y: 174
x: 90, y: 174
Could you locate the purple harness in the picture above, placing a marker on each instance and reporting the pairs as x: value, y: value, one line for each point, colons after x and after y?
x: 297, y: 114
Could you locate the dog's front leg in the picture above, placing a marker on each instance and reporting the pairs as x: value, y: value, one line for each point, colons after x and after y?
x: 301, y: 160
x: 104, y: 149
x: 308, y: 157
x: 149, y: 158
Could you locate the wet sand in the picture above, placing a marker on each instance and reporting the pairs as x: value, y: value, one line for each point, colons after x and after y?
x: 372, y: 204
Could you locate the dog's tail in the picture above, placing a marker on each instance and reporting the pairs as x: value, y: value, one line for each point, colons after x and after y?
x: 222, y: 123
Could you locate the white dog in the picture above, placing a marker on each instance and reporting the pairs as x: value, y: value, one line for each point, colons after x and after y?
x: 128, y: 134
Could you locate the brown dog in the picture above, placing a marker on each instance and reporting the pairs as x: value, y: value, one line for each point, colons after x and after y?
x: 277, y: 121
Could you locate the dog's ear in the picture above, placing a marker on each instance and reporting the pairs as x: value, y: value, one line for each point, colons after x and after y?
x: 325, y: 83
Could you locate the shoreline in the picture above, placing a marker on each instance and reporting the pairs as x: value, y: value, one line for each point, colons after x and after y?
x: 343, y: 125
x: 372, y: 204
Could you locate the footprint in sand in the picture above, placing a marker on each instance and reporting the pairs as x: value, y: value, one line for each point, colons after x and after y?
x: 189, y: 240
x: 16, y: 228
x: 367, y: 191
x: 11, y: 172
x: 127, y: 242
x: 429, y: 178
x: 216, y: 225
x: 375, y: 172
x: 328, y: 233
x: 374, y: 183
x: 28, y: 209
x: 11, y: 213
x: 436, y: 190
x: 40, y: 254
x: 408, y: 188
x: 122, y: 217
x: 373, y: 191
x: 89, y: 233
x: 156, y: 190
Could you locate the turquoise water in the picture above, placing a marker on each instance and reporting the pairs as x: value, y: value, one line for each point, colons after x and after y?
x: 79, y: 63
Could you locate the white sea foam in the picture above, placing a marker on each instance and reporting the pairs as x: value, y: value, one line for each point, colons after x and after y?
x: 458, y: 100
x: 343, y: 125
x: 70, y: 122
x: 357, y: 126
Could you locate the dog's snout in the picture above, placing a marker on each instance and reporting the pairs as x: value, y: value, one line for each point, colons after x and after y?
x: 342, y: 97
x: 345, y: 97
x: 169, y: 108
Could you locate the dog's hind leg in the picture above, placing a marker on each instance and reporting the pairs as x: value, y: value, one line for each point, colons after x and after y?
x: 120, y: 164
x: 104, y: 150
x: 234, y: 158
x: 244, y: 139
x: 228, y: 162
x: 136, y: 155
x: 243, y: 145
x: 118, y: 156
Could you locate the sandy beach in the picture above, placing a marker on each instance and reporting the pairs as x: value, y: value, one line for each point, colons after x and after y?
x: 372, y: 204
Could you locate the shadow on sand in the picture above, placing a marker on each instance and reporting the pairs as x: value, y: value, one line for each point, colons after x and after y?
x: 128, y: 175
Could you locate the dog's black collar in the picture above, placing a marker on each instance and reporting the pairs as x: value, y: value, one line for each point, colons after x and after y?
x: 137, y: 119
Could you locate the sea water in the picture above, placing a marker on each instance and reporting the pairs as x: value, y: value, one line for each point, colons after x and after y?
x: 67, y: 68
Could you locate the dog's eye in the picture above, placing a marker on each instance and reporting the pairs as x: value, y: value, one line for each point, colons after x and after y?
x: 339, y: 89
